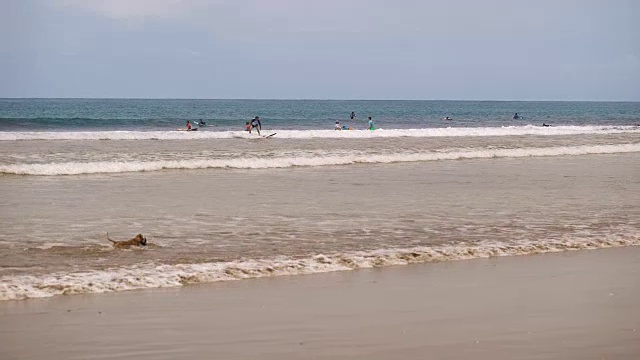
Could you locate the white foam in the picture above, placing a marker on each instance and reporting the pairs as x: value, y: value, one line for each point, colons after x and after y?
x: 47, y: 246
x: 309, y: 134
x: 75, y: 168
x: 148, y: 276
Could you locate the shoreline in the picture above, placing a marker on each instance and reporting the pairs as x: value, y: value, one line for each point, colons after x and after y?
x: 570, y: 305
x: 144, y: 277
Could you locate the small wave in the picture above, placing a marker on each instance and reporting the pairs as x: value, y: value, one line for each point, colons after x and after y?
x: 76, y: 168
x: 148, y: 276
x: 309, y: 134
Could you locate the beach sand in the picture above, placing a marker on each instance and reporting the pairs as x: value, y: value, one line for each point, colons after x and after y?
x: 571, y: 305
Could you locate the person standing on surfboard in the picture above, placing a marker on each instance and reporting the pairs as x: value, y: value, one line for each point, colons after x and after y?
x: 255, y: 123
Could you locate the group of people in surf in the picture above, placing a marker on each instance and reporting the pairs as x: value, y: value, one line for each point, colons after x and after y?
x: 250, y: 125
x: 516, y: 116
x: 352, y: 116
x: 189, y: 128
x: 257, y: 125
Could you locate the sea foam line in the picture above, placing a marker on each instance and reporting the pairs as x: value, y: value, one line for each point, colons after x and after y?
x: 309, y: 134
x: 76, y: 168
x: 149, y: 276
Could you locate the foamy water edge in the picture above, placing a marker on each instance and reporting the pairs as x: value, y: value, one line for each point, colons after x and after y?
x: 327, y: 134
x: 150, y: 276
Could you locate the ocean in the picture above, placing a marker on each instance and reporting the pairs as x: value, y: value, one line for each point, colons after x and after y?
x: 220, y: 204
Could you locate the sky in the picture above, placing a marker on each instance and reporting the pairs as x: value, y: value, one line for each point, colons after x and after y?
x: 321, y: 49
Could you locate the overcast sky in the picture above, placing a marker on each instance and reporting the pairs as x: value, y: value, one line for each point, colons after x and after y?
x: 321, y: 49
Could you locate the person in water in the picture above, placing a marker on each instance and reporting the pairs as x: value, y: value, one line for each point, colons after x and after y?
x: 545, y: 125
x: 371, y: 126
x: 353, y: 115
x: 447, y: 118
x: 255, y: 124
x: 338, y: 127
x: 188, y: 125
x: 202, y: 123
x: 247, y: 126
x: 516, y: 116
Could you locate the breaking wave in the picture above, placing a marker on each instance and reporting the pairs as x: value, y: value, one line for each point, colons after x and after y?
x: 76, y: 168
x: 149, y: 276
x: 309, y: 134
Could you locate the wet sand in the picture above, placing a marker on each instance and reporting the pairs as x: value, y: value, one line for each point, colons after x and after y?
x: 572, y: 305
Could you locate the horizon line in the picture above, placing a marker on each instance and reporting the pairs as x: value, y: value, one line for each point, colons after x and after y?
x: 304, y: 99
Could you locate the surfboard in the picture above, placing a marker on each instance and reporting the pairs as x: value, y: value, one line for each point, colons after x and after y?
x: 181, y: 129
x: 268, y: 136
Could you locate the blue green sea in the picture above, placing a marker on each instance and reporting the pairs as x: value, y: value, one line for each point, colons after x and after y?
x: 227, y: 115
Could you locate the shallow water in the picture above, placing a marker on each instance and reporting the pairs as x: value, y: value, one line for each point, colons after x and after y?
x: 221, y: 205
x: 216, y: 224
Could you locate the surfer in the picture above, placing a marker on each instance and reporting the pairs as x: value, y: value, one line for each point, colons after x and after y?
x: 188, y: 126
x: 338, y: 127
x: 545, y: 125
x: 353, y: 115
x: 371, y: 126
x: 255, y: 124
x: 516, y: 116
x: 447, y: 118
x: 202, y: 123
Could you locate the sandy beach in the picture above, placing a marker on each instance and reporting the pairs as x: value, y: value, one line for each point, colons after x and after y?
x: 572, y: 305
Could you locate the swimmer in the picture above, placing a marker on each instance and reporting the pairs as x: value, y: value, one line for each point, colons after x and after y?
x: 371, y: 126
x: 516, y: 116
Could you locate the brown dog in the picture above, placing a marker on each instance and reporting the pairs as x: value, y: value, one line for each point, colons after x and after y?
x: 139, y: 240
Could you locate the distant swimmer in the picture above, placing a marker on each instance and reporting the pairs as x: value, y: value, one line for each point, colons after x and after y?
x: 338, y: 127
x: 255, y: 124
x: 447, y: 118
x: 202, y: 123
x: 353, y: 115
x: 371, y: 126
x: 545, y: 125
x: 516, y: 116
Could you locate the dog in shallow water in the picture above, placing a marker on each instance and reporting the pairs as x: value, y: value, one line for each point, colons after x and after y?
x: 139, y: 240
